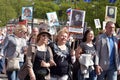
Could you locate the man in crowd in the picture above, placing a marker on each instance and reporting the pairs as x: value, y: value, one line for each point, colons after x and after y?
x: 107, y: 60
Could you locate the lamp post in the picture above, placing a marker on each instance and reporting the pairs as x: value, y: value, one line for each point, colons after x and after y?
x: 33, y: 15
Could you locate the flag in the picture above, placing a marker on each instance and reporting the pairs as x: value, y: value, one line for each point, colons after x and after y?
x: 87, y: 0
x: 112, y: 1
x: 68, y: 10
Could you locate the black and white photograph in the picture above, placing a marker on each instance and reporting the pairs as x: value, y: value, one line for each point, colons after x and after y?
x: 52, y: 19
x: 77, y: 18
x: 97, y: 23
x: 111, y: 13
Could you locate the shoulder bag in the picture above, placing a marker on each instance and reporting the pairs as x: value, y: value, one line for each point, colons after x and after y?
x: 13, y: 64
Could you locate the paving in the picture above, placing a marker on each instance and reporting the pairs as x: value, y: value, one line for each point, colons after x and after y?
x: 3, y: 77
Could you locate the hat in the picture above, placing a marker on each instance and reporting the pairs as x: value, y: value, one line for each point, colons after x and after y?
x: 45, y: 31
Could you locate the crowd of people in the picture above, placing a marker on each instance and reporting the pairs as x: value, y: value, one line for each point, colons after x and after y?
x: 46, y: 58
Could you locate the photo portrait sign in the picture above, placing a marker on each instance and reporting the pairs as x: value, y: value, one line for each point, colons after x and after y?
x: 97, y: 23
x: 103, y: 25
x: 52, y: 19
x: 77, y: 18
x: 111, y: 13
x: 27, y: 13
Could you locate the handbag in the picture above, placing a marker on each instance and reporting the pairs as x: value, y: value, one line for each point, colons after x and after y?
x: 42, y: 72
x: 13, y: 64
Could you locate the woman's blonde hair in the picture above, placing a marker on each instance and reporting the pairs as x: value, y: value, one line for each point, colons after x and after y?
x: 20, y: 28
x: 61, y: 31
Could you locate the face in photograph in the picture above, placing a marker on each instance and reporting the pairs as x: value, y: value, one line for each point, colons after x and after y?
x: 53, y: 19
x: 27, y: 12
x: 111, y: 12
x: 77, y: 18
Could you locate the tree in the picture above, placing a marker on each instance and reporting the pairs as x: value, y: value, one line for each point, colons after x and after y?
x: 7, y: 12
x: 41, y: 8
x: 94, y: 9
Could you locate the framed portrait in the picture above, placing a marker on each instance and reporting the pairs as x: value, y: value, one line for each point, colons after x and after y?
x: 111, y: 13
x: 97, y: 23
x: 52, y: 19
x: 77, y: 18
x: 103, y: 25
x: 52, y: 30
x: 27, y: 13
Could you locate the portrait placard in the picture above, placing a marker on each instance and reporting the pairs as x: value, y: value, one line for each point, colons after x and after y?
x: 52, y: 19
x: 27, y: 13
x: 97, y: 23
x: 77, y: 18
x: 111, y: 13
x: 103, y: 25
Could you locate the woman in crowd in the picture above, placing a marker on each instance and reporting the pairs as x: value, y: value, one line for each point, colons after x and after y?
x: 63, y: 57
x: 25, y: 38
x: 12, y: 48
x: 42, y: 58
x: 9, y: 31
x: 86, y: 47
x: 2, y: 36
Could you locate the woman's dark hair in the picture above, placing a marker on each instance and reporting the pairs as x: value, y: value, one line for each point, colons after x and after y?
x: 85, y: 35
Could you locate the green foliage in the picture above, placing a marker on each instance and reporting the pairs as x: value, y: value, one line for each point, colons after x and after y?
x: 10, y: 9
x: 6, y: 12
x: 96, y: 9
x: 41, y: 8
